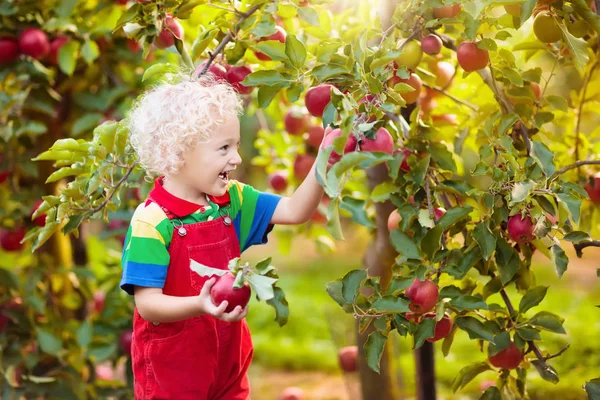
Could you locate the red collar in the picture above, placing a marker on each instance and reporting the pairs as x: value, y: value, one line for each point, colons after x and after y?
x: 179, y: 207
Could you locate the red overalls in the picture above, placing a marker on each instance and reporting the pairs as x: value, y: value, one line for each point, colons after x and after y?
x: 200, y: 358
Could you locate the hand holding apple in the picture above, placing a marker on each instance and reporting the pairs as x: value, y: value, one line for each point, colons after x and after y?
x: 223, y: 311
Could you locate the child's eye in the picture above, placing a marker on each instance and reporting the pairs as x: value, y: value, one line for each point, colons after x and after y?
x: 224, y: 147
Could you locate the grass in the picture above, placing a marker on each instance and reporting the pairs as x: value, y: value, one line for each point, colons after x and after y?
x: 318, y: 327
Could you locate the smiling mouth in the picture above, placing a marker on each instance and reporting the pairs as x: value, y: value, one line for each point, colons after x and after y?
x: 224, y: 176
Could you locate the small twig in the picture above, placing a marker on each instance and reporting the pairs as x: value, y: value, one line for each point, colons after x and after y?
x: 551, y: 356
x: 386, y: 33
x: 234, y: 10
x: 116, y: 186
x: 228, y: 37
x: 549, y: 77
x: 574, y: 165
x: 451, y: 96
x: 582, y: 245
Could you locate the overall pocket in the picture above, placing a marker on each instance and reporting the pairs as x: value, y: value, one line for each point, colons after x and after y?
x: 214, y: 255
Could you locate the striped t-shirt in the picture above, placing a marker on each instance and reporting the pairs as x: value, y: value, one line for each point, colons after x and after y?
x: 146, y: 251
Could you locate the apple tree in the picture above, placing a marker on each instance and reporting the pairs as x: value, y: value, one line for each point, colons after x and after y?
x: 461, y: 134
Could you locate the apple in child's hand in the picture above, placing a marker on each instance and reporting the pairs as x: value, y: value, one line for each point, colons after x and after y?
x: 223, y: 290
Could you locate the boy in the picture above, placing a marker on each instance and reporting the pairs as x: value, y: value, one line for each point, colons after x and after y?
x: 184, y: 347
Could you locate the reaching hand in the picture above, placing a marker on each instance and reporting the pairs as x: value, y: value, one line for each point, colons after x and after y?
x: 218, y: 312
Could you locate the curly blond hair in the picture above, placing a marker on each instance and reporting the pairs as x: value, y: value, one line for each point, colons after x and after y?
x: 172, y: 118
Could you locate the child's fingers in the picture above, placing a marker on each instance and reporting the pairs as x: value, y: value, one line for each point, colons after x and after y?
x: 207, y: 285
x: 220, y: 310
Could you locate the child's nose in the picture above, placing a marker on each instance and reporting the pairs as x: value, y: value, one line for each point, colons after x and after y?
x: 237, y: 159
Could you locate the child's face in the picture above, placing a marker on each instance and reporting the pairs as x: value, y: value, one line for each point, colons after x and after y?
x: 207, y: 166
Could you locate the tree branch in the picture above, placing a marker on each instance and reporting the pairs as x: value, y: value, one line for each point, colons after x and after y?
x: 574, y: 165
x: 228, y: 38
x: 582, y: 245
x: 116, y: 187
x: 451, y: 96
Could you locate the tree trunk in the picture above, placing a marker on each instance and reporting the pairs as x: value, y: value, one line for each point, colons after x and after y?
x: 425, y: 370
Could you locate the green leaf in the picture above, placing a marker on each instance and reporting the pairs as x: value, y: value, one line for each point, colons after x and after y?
x: 100, y: 353
x: 485, y: 239
x: 206, y: 271
x: 295, y: 51
x: 265, y: 77
x: 272, y: 48
x: 262, y: 286
x: 84, y: 334
x: 467, y: 374
x: 334, y: 290
x: 383, y: 191
x: 546, y: 371
x: 309, y: 15
x: 442, y: 157
x: 203, y: 41
x: 520, y: 192
x: 49, y: 343
x: 425, y: 330
x: 529, y: 334
x: 548, y: 321
x: 527, y: 9
x: 358, y: 210
x: 398, y: 284
x: 592, y: 388
x: 577, y: 47
x: 351, y: 282
x: 560, y: 259
x: 491, y: 393
x: 374, y: 349
x: 558, y: 102
x: 266, y: 94
x: 404, y: 245
x: 333, y: 225
x: 454, y: 215
x: 417, y: 173
x: 263, y: 265
x: 506, y: 122
x: 67, y: 56
x: 390, y: 304
x: 158, y: 70
x: 543, y: 157
x: 466, y: 302
x: 90, y: 51
x: 532, y: 298
x: 430, y: 243
x: 507, y: 260
x: 350, y: 160
x: 573, y: 204
x: 474, y: 328
x: 577, y: 236
x: 280, y: 304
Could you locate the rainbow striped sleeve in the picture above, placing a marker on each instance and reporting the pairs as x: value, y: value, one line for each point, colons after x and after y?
x: 146, y: 256
x: 251, y: 211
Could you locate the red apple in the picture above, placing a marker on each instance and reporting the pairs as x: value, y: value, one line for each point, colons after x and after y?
x: 347, y: 357
x: 536, y: 89
x: 40, y: 220
x: 34, y: 42
x: 217, y: 70
x: 292, y: 393
x: 223, y: 290
x: 278, y: 36
x: 125, y: 341
x: 55, y: 46
x: 348, y: 148
x: 447, y: 11
x: 315, y: 136
x: 431, y: 44
x: 296, y: 121
x: 317, y: 98
x: 9, y: 50
x: 520, y: 229
x: 413, y: 81
x: 235, y: 75
x: 438, y: 213
x: 442, y: 327
x: 133, y: 46
x: 472, y: 58
x: 302, y: 165
x: 393, y: 220
x: 404, y: 164
x: 444, y: 71
x: 382, y: 142
x: 278, y: 181
x: 99, y: 300
x: 3, y: 321
x: 11, y: 240
x: 171, y: 29
x: 592, y: 187
x: 423, y: 296
x: 509, y: 358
